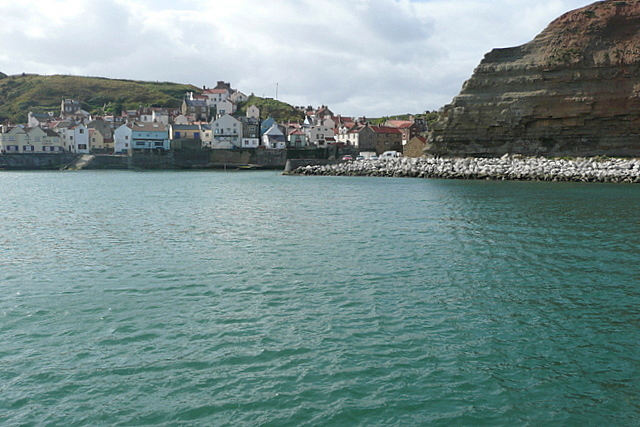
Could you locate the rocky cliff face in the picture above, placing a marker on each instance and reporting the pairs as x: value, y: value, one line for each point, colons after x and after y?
x: 572, y: 91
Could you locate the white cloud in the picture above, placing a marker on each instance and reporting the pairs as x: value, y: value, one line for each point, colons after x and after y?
x: 362, y: 57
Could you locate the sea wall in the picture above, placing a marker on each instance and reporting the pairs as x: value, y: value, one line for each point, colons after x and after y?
x: 192, y: 159
x: 36, y: 161
x: 504, y: 168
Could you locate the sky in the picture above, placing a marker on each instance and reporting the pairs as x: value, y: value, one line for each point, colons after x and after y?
x: 368, y: 58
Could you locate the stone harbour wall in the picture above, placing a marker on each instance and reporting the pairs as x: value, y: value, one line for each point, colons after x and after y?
x: 507, y: 167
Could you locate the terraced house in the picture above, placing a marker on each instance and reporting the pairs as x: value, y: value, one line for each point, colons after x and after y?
x: 25, y: 140
x: 141, y: 137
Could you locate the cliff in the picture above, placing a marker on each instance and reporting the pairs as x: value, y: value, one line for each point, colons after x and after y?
x: 572, y: 91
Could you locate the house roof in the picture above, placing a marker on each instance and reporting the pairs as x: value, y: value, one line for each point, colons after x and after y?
x: 195, y: 103
x: 274, y: 130
x: 148, y: 127
x: 40, y: 116
x: 186, y: 127
x: 385, y: 129
x: 216, y: 91
x: 63, y: 124
x: 401, y: 124
x: 420, y: 138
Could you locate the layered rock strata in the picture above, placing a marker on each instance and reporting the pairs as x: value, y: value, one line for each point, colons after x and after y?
x: 506, y: 167
x: 572, y: 91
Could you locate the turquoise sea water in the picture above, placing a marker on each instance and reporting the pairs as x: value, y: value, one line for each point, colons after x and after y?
x: 251, y: 298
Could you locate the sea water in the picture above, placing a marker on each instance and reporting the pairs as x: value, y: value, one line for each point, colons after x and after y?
x: 252, y: 298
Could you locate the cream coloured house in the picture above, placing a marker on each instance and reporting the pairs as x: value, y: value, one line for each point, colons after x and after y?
x: 21, y: 140
x: 253, y: 112
x: 14, y: 140
x: 45, y: 140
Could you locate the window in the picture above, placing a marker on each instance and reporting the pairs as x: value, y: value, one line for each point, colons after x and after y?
x: 196, y: 135
x: 177, y: 134
x: 36, y: 139
x: 81, y: 130
x: 28, y: 148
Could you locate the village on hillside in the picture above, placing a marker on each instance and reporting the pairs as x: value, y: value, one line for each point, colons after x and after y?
x: 206, y: 120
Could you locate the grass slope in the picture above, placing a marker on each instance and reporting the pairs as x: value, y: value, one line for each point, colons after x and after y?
x: 20, y: 94
x: 280, y: 111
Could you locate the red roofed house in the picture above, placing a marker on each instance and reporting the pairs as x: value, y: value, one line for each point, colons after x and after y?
x: 379, y: 139
x: 408, y: 128
x: 297, y: 138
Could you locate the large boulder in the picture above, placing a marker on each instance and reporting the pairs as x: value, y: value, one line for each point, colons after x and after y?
x: 572, y: 91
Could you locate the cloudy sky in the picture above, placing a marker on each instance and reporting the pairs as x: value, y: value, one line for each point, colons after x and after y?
x: 359, y: 57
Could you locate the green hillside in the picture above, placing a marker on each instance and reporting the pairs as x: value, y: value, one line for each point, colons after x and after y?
x: 280, y: 111
x: 20, y: 94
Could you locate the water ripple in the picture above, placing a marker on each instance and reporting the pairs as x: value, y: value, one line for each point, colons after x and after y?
x: 248, y: 299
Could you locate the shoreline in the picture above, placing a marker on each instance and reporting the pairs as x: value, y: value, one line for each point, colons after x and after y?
x: 507, y: 167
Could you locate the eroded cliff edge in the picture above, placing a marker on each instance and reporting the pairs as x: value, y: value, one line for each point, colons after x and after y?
x: 572, y: 91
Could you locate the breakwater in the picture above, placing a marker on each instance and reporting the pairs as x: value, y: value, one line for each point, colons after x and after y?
x: 507, y: 167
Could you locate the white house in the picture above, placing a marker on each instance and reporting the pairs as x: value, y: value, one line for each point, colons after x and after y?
x: 141, y: 136
x: 225, y: 107
x: 35, y: 119
x: 274, y: 138
x: 181, y: 120
x: 253, y: 112
x: 75, y: 137
x: 160, y: 116
x: 250, y: 142
x: 238, y: 97
x: 318, y: 135
x: 226, y: 132
x: 122, y: 138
